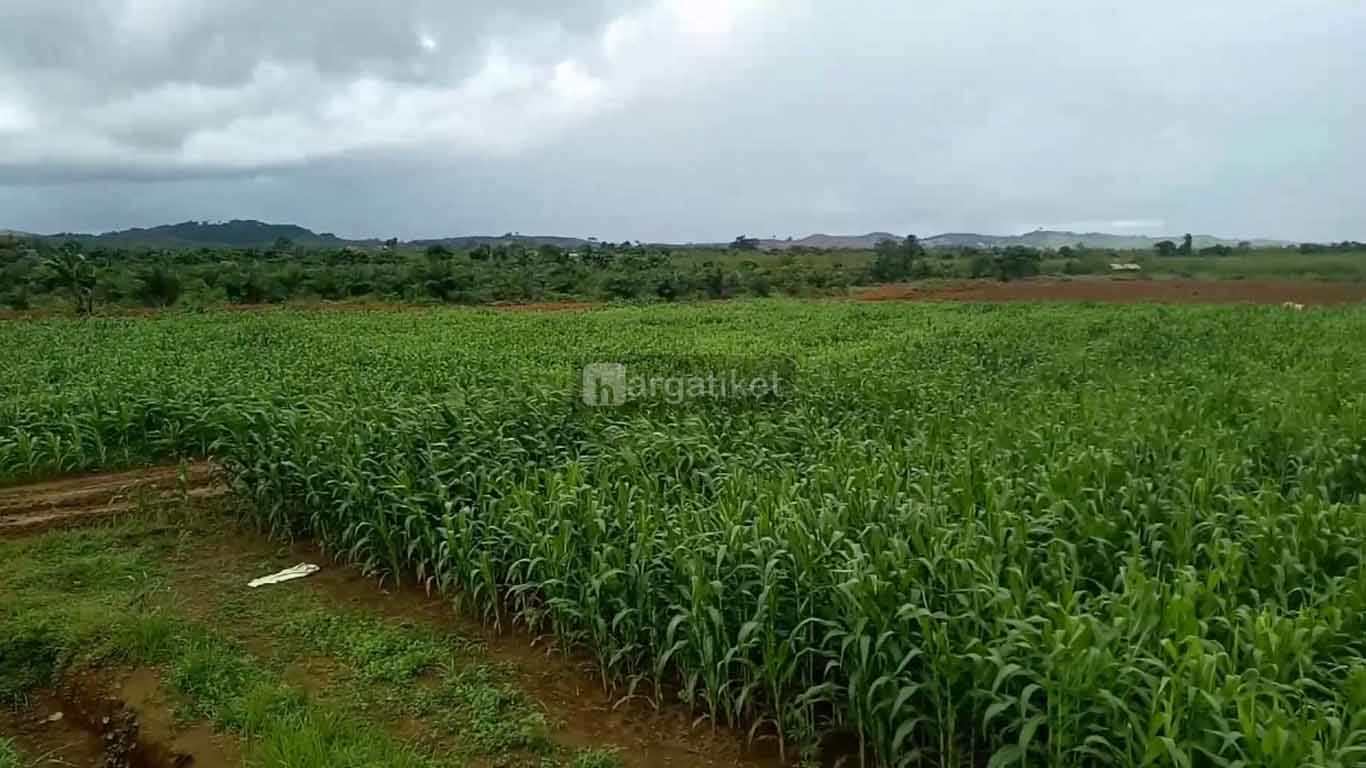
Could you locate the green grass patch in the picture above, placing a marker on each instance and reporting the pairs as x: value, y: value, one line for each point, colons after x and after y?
x: 9, y: 754
x: 316, y: 737
x: 486, y: 714
x: 28, y: 660
x: 74, y: 598
x: 374, y: 650
x: 597, y: 758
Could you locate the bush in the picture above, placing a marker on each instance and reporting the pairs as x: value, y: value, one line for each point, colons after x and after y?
x: 1016, y: 262
x: 158, y: 287
x: 18, y: 299
x: 758, y: 283
x: 623, y: 286
x: 982, y: 265
x: 895, y: 261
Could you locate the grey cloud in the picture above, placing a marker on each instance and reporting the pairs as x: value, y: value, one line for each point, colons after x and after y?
x: 204, y: 85
x: 686, y: 119
x: 129, y: 44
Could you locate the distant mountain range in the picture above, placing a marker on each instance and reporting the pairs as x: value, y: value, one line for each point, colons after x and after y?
x: 257, y: 234
x: 474, y: 241
x: 1037, y: 239
x: 198, y: 234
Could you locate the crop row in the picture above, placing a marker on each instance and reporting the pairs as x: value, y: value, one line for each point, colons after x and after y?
x: 1018, y: 536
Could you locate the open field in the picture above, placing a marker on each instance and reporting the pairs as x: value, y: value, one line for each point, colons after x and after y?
x: 46, y: 276
x: 955, y: 534
x: 1101, y: 288
x: 1125, y: 291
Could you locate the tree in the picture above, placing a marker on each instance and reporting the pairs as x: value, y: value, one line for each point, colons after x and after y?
x: 895, y: 261
x: 1165, y: 248
x: 981, y: 264
x: 1017, y: 261
x: 552, y: 254
x: 327, y: 283
x: 1187, y: 245
x: 70, y: 270
x: 158, y: 287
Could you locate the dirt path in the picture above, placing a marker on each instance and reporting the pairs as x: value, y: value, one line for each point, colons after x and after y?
x: 1125, y: 291
x: 70, y: 501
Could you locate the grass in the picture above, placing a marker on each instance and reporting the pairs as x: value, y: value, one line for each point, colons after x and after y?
x: 597, y: 758
x: 105, y: 599
x: 1276, y: 264
x: 372, y: 650
x: 9, y: 754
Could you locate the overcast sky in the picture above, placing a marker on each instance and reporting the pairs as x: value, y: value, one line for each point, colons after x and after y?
x: 687, y: 119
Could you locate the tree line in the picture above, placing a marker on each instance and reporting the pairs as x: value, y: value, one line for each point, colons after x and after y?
x: 40, y: 273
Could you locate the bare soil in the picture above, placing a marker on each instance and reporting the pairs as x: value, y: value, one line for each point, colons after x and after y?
x: 550, y: 306
x: 115, y: 722
x: 1125, y: 291
x: 77, y: 500
x: 49, y: 736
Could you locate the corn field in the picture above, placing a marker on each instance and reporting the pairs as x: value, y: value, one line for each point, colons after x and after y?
x: 965, y: 535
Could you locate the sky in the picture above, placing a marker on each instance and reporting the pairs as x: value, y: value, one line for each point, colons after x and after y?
x: 687, y: 120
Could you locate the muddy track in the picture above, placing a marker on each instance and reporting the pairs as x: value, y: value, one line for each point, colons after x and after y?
x: 119, y: 719
x: 78, y: 500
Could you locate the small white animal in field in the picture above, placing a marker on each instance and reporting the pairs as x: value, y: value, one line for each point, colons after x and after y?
x: 1294, y: 306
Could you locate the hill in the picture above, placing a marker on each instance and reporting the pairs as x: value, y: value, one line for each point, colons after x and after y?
x: 474, y: 241
x: 248, y: 233
x: 237, y: 233
x: 830, y: 242
x: 256, y: 234
x: 1042, y: 238
x: 1046, y: 238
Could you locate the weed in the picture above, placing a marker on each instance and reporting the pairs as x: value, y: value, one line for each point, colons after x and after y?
x: 9, y: 754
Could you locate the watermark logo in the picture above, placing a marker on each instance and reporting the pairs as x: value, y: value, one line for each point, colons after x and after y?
x: 604, y: 384
x: 607, y: 385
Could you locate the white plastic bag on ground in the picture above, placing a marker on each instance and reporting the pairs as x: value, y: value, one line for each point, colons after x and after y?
x: 289, y: 574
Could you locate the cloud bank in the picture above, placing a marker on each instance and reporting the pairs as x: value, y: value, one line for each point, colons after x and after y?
x: 686, y: 119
